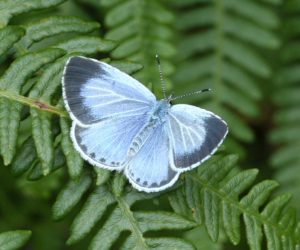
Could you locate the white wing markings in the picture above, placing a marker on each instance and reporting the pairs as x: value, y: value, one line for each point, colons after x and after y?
x: 181, y: 132
x: 190, y: 130
x: 190, y: 137
x: 172, y: 135
x: 129, y: 113
x: 92, y: 87
x: 116, y: 101
x: 112, y: 93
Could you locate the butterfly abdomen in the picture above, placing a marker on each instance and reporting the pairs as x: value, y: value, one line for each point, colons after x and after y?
x: 141, y: 138
x: 157, y: 116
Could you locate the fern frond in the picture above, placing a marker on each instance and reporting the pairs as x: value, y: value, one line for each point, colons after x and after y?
x: 143, y: 29
x: 285, y: 96
x: 8, y: 8
x: 10, y: 85
x: 200, y: 239
x: 86, y: 45
x: 8, y: 36
x: 219, y: 48
x: 73, y: 159
x: 24, y: 158
x: 34, y: 79
x: 55, y: 25
x: 122, y: 217
x: 219, y: 195
x: 12, y: 240
x: 70, y: 196
x: 37, y: 172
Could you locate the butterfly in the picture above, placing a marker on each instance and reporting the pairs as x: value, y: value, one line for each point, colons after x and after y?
x: 118, y: 124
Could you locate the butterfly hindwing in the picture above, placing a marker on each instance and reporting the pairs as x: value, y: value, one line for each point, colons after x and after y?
x: 106, y: 143
x: 195, y: 134
x: 149, y: 170
x: 94, y: 91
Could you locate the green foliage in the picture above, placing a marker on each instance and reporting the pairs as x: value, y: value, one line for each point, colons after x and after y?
x: 285, y: 96
x: 219, y: 195
x: 12, y: 240
x: 33, y: 67
x: 142, y: 29
x: 8, y: 36
x: 220, y: 44
x: 70, y: 196
x: 55, y: 25
x: 74, y: 161
x: 201, y: 240
x: 11, y: 8
x: 229, y: 46
x: 121, y: 217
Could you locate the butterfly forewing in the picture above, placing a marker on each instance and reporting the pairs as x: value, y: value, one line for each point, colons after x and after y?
x: 195, y: 134
x: 108, y: 108
x: 94, y: 91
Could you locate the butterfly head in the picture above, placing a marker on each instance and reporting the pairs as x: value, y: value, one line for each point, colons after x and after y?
x: 164, y: 104
x: 169, y: 99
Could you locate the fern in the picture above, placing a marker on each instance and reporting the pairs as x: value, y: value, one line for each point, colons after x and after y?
x: 122, y: 217
x: 142, y: 29
x: 8, y: 36
x: 11, y: 110
x: 33, y: 79
x: 12, y: 240
x: 11, y: 8
x: 219, y: 43
x: 218, y: 195
x: 285, y: 96
x: 200, y: 239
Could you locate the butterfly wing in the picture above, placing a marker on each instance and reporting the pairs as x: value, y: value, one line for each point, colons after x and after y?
x: 195, y: 134
x: 108, y: 108
x: 94, y: 91
x: 149, y: 170
x: 106, y: 143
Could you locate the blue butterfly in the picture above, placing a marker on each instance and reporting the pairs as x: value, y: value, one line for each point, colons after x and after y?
x: 119, y: 125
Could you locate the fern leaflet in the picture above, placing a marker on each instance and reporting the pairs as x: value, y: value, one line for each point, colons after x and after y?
x: 30, y: 81
x: 14, y: 239
x: 218, y: 194
x: 217, y: 47
x: 285, y: 95
x: 122, y: 217
x: 143, y: 29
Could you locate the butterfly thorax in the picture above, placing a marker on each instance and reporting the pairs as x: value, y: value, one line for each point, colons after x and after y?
x: 160, y: 110
x: 157, y: 116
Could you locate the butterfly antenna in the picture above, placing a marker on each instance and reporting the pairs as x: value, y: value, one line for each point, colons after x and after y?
x: 163, y: 83
x: 191, y: 93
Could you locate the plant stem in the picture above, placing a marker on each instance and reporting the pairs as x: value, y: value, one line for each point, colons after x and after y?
x: 34, y: 103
